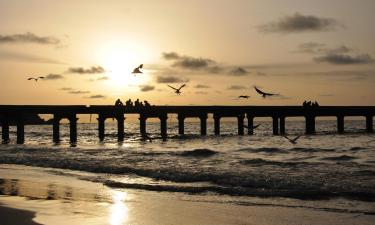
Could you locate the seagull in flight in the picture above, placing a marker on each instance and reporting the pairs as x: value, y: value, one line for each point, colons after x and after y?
x: 294, y: 140
x: 36, y: 79
x: 244, y: 96
x: 138, y: 70
x: 264, y: 94
x: 177, y: 90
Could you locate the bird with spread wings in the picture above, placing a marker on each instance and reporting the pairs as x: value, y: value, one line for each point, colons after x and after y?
x: 177, y: 90
x: 264, y: 94
x: 294, y: 140
x: 35, y: 78
x: 137, y: 70
x: 244, y: 96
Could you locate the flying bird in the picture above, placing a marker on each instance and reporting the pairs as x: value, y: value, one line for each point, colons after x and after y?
x: 36, y: 79
x: 244, y: 96
x: 177, y: 90
x: 138, y: 70
x: 264, y: 94
x: 294, y: 140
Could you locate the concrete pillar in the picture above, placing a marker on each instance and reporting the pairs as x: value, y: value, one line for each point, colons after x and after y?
x: 163, y: 126
x: 217, y: 124
x: 250, y: 124
x: 181, y: 125
x: 275, y: 125
x: 73, y: 129
x: 340, y: 124
x: 56, y: 129
x: 282, y: 125
x: 101, y: 127
x: 240, y: 122
x: 5, y: 129
x: 120, y: 127
x: 20, y: 130
x: 369, y: 122
x: 203, y: 119
x: 142, y: 125
x: 310, y: 124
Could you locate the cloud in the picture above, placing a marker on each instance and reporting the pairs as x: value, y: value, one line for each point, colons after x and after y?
x: 170, y: 79
x: 97, y: 96
x: 299, y: 23
x: 239, y: 71
x: 261, y: 73
x: 342, y: 59
x: 91, y: 70
x: 66, y: 89
x: 78, y: 92
x: 237, y: 87
x: 52, y: 76
x: 29, y: 38
x: 319, y: 48
x: 201, y: 92
x: 170, y: 55
x: 199, y: 86
x: 145, y: 88
x: 22, y: 57
x: 103, y: 78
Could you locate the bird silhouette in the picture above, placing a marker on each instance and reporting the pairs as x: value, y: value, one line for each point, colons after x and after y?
x: 177, y: 90
x: 294, y: 140
x: 244, y: 96
x: 264, y: 94
x: 138, y: 70
x: 35, y: 78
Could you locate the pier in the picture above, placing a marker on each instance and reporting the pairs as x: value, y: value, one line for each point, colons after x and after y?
x: 277, y: 113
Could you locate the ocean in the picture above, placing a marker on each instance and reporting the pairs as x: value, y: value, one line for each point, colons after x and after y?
x: 326, y: 171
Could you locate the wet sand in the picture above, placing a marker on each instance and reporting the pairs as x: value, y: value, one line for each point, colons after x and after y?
x: 60, y: 199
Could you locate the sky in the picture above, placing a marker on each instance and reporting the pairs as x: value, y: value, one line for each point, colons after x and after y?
x: 301, y: 49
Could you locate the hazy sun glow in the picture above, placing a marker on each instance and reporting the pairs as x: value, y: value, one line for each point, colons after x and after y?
x: 119, y: 60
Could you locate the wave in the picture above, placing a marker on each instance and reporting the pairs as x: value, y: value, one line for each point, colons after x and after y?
x: 339, y: 158
x: 262, y: 162
x: 199, y: 152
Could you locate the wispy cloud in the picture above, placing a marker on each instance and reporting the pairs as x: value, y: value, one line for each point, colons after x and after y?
x: 29, y: 38
x: 170, y: 79
x: 300, y: 23
x: 237, y: 87
x: 78, y: 92
x: 341, y: 59
x: 52, y: 76
x: 202, y: 86
x: 191, y: 63
x: 23, y: 57
x: 91, y: 70
x: 66, y: 89
x: 145, y: 88
x: 97, y: 96
x: 239, y: 71
x: 201, y: 92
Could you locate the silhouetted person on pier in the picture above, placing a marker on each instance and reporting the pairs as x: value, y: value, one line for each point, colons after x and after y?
x: 137, y: 103
x: 304, y: 104
x: 118, y: 103
x: 129, y: 103
x: 147, y: 104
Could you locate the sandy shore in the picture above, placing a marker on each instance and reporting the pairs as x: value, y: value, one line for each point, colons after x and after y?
x: 11, y: 216
x: 60, y: 199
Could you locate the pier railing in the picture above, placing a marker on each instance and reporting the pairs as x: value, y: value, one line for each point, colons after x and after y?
x: 277, y: 113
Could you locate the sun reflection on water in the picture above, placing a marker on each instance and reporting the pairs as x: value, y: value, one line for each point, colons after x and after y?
x: 118, y: 212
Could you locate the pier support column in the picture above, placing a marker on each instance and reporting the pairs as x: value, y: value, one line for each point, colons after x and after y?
x: 101, y: 127
x: 203, y: 119
x: 340, y: 124
x: 73, y: 128
x: 20, y: 130
x: 275, y: 125
x: 120, y: 127
x: 217, y: 124
x: 142, y: 125
x: 250, y: 124
x: 56, y: 129
x: 369, y: 122
x: 240, y: 122
x: 181, y: 124
x: 163, y: 126
x: 282, y: 125
x: 5, y: 129
x: 310, y: 124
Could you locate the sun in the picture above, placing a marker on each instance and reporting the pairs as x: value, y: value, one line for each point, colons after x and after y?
x: 119, y: 61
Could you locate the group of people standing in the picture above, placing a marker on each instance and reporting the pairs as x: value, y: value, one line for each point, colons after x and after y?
x: 310, y: 104
x: 129, y: 103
